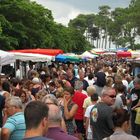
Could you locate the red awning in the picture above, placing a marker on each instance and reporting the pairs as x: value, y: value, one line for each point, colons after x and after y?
x: 124, y: 54
x: 52, y: 52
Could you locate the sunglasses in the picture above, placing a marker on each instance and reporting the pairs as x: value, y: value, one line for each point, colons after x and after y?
x: 112, y: 96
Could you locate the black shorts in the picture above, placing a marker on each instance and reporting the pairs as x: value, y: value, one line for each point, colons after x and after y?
x: 80, y: 126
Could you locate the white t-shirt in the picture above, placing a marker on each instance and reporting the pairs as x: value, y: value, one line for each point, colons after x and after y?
x: 87, y: 114
x: 90, y: 82
x: 125, y: 83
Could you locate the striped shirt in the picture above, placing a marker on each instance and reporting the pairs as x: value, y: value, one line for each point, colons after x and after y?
x: 16, y: 125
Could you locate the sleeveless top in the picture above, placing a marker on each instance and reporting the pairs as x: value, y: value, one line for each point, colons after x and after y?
x: 70, y: 122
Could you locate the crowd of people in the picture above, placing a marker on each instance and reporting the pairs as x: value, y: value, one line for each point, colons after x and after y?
x: 95, y: 100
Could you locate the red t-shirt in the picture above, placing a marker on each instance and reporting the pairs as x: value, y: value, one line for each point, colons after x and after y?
x: 79, y: 98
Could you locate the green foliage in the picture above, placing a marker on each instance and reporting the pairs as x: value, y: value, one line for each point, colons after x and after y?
x: 104, y: 10
x: 135, y: 14
x: 137, y: 46
x: 6, y: 40
x: 79, y: 23
x: 120, y: 26
x: 25, y: 24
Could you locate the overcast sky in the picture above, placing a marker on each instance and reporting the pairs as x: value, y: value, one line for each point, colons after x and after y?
x: 64, y: 10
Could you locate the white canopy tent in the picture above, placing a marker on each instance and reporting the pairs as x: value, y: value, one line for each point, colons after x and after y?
x: 6, y: 58
x: 32, y: 57
x: 25, y: 57
x: 135, y: 54
x: 87, y: 54
x: 109, y: 53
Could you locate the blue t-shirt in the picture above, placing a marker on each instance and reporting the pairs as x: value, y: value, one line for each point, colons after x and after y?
x: 16, y: 125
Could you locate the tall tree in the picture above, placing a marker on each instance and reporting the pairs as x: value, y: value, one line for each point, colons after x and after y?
x: 25, y: 24
x: 78, y: 23
x: 104, y: 14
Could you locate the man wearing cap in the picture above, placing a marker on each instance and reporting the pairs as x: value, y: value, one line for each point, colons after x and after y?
x: 135, y: 102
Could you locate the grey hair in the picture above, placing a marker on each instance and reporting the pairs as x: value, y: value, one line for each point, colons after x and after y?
x: 78, y: 85
x: 43, y: 91
x: 55, y: 114
x: 137, y: 80
x: 105, y: 90
x: 51, y: 97
x: 14, y: 101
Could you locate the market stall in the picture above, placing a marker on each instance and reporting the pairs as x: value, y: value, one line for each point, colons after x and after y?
x: 6, y: 58
x: 123, y: 54
x: 66, y: 58
x: 32, y: 57
x: 87, y: 54
x: 52, y: 52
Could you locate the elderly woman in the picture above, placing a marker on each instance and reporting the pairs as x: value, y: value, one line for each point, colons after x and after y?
x: 51, y: 99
